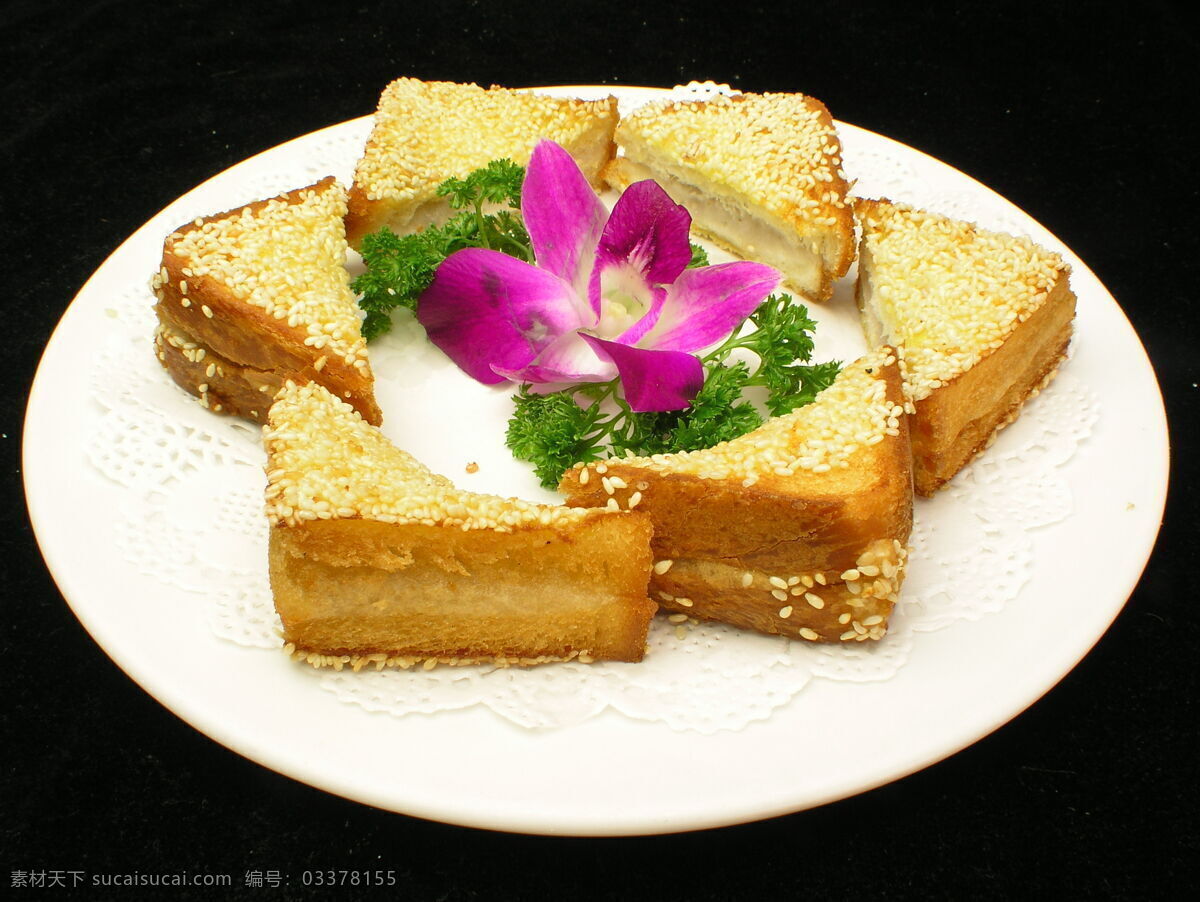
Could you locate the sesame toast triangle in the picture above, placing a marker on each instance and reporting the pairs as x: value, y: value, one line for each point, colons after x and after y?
x: 984, y: 320
x: 375, y: 558
x: 253, y: 297
x: 799, y: 528
x: 427, y: 132
x: 761, y: 175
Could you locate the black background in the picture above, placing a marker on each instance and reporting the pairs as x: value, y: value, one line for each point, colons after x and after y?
x: 1081, y: 114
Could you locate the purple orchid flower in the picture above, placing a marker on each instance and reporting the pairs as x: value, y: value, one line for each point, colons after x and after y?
x: 611, y: 294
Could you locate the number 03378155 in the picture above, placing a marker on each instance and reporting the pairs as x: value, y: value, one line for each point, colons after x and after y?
x: 343, y: 877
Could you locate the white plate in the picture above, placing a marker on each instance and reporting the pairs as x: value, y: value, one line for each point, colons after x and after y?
x: 610, y: 774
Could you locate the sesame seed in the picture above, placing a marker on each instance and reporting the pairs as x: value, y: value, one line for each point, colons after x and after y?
x: 785, y: 612
x: 684, y: 602
x: 780, y: 594
x: 814, y: 600
x: 661, y: 567
x: 747, y: 579
x: 809, y: 634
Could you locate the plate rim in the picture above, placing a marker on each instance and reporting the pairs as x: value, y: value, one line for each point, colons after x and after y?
x: 62, y: 578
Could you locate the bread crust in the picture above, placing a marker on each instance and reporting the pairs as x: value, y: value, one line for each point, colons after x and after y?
x: 959, y: 418
x: 723, y: 547
x: 245, y: 336
x: 375, y: 556
x: 221, y: 385
x: 360, y: 588
x: 584, y: 128
x: 798, y: 205
x: 959, y: 421
x: 711, y: 590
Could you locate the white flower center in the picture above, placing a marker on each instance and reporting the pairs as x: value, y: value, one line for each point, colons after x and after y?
x: 624, y: 299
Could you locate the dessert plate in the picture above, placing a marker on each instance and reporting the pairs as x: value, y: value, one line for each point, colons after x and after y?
x: 610, y: 773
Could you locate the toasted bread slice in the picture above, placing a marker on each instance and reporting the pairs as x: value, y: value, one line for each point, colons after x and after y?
x: 427, y: 132
x: 984, y: 320
x: 374, y: 558
x: 760, y: 173
x: 264, y: 288
x: 799, y: 528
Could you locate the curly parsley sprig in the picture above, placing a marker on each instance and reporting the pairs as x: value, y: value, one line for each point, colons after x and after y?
x: 555, y: 430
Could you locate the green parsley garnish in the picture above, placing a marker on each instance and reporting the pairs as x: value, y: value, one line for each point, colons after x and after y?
x: 553, y: 431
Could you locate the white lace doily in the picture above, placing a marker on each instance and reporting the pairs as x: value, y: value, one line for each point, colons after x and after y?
x: 192, y: 485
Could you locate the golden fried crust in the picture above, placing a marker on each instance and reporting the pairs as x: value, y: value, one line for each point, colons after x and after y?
x: 463, y: 128
x: 960, y: 420
x: 984, y: 319
x: 361, y: 587
x: 760, y: 173
x: 209, y: 313
x: 222, y: 386
x: 374, y: 556
x: 724, y: 547
x: 708, y: 590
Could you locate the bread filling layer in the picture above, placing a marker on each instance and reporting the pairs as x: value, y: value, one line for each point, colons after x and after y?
x: 731, y: 224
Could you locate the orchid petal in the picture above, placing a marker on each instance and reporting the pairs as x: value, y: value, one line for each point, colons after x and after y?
x: 707, y: 303
x: 653, y: 380
x: 562, y: 213
x: 484, y: 307
x: 647, y: 231
x: 567, y: 359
